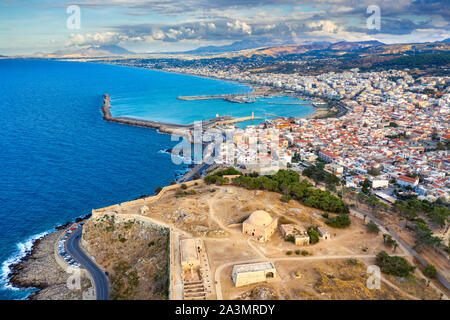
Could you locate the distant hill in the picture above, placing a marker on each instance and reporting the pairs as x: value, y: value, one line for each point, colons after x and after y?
x: 235, y: 46
x: 278, y: 51
x: 91, y: 51
x: 344, y: 47
x: 278, y: 48
x: 411, y: 48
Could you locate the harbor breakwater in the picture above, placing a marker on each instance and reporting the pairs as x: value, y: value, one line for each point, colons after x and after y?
x: 184, y: 130
x: 164, y: 127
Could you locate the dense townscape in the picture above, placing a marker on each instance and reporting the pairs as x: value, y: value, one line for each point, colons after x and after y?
x: 396, y: 128
x: 234, y: 151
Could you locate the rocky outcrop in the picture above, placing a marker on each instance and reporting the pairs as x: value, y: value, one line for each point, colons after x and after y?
x: 135, y: 253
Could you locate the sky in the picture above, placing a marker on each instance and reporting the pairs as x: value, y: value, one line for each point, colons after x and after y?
x: 30, y: 26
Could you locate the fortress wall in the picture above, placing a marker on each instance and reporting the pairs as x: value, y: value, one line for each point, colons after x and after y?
x: 124, y: 217
x: 150, y: 199
x: 132, y: 203
x: 116, y: 206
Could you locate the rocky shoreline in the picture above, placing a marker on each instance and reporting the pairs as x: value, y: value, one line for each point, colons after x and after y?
x: 39, y: 270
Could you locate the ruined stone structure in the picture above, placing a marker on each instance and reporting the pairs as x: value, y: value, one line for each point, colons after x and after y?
x: 299, y: 234
x: 244, y: 274
x: 260, y: 225
x: 323, y: 233
x: 190, y: 260
x: 192, y: 273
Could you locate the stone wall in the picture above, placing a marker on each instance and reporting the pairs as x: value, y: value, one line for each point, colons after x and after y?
x: 147, y: 199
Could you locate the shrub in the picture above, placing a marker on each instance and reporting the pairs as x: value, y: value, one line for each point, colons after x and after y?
x: 286, y: 198
x: 394, y: 265
x: 430, y: 271
x: 305, y: 253
x: 297, y: 252
x: 372, y: 227
x: 183, y: 186
x: 290, y: 238
x: 288, y: 183
x: 340, y: 221
x: 313, y: 235
x: 289, y: 252
x: 227, y: 172
x: 215, y: 179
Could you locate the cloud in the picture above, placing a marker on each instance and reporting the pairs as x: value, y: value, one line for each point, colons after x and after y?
x: 96, y: 39
x: 283, y: 21
x: 238, y: 26
x: 329, y: 30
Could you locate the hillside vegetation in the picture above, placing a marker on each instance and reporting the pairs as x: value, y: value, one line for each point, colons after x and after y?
x: 287, y: 183
x: 135, y: 255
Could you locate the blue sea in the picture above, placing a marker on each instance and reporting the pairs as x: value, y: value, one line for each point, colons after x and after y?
x: 59, y: 158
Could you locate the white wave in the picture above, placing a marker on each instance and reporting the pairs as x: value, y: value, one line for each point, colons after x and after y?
x: 23, y: 248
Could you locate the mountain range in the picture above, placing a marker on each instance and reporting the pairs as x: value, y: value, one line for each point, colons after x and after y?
x: 89, y: 51
x: 265, y: 48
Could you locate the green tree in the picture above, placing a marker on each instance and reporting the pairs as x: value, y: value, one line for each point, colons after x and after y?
x: 372, y: 227
x: 366, y: 186
x: 374, y: 171
x: 340, y: 221
x: 430, y: 271
x: 313, y: 235
x: 394, y: 265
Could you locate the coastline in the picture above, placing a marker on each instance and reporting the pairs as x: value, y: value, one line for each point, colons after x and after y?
x: 38, y: 270
x: 319, y: 112
x: 38, y: 245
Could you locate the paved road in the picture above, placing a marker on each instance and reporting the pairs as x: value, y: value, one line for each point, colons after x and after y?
x: 100, y: 280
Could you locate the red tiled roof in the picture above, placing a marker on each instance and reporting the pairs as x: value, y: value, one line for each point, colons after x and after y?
x: 408, y: 179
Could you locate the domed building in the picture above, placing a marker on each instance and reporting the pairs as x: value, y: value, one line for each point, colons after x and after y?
x: 260, y: 225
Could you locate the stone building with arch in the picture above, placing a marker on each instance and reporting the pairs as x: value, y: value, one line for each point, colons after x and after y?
x: 260, y: 225
x: 244, y: 274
